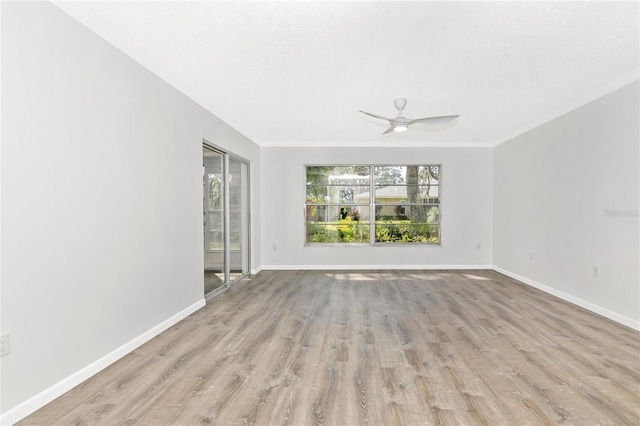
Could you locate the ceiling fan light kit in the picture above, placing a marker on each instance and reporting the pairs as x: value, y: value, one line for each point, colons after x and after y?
x: 401, y: 123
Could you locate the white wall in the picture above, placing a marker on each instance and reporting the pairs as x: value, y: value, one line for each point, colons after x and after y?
x: 101, y: 201
x: 102, y: 206
x: 555, y: 188
x: 466, y: 209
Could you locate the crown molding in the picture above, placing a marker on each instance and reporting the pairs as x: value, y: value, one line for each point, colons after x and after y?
x: 583, y: 100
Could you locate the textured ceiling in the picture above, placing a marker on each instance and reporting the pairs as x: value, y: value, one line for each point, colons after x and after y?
x: 296, y: 73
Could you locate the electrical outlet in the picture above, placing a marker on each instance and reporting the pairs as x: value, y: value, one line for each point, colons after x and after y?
x: 5, y: 344
x: 595, y: 272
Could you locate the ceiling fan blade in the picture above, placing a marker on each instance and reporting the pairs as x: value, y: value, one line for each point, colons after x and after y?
x: 375, y: 115
x: 389, y: 130
x: 435, y: 121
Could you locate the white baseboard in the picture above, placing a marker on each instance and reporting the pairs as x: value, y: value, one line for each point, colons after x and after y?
x: 629, y: 322
x: 43, y: 398
x: 366, y: 267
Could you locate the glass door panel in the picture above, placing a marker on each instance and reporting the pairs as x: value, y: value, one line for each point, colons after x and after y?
x: 214, y: 253
x: 238, y: 218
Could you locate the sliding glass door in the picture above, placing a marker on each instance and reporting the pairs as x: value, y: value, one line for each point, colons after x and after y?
x: 226, y: 219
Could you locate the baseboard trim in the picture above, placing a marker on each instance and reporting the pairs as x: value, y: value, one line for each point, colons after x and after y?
x: 366, y: 267
x: 40, y: 400
x: 629, y: 322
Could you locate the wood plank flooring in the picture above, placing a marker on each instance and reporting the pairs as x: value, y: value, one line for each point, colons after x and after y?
x: 371, y: 348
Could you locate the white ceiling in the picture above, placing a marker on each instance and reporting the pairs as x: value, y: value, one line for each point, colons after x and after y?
x: 296, y: 73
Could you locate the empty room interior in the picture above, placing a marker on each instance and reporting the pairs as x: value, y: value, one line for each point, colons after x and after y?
x: 320, y: 212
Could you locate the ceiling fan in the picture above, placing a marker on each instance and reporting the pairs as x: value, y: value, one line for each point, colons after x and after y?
x: 402, y: 123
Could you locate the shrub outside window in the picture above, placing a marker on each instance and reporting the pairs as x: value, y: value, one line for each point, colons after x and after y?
x: 405, y: 205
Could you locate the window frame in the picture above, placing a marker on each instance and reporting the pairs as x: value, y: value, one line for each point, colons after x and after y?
x: 372, y: 208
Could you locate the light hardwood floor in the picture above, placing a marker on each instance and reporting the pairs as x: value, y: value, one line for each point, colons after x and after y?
x: 372, y: 348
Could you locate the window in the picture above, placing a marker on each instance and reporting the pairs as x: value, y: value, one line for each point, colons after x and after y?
x: 405, y: 204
